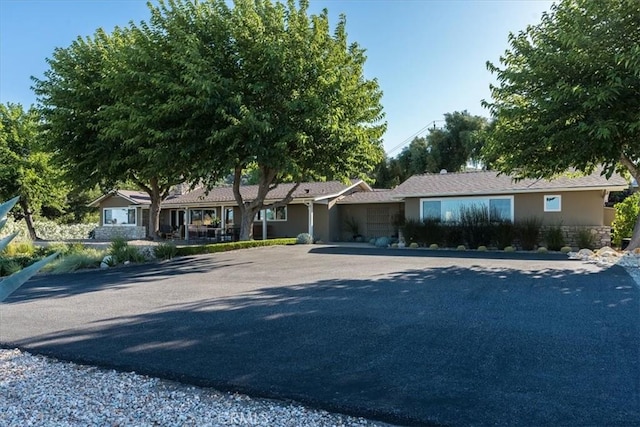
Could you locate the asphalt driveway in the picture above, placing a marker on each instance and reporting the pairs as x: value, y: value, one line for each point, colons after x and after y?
x: 404, y: 336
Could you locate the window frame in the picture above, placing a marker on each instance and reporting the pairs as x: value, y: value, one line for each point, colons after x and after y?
x: 545, y: 202
x: 112, y: 224
x: 488, y: 199
x: 261, y: 212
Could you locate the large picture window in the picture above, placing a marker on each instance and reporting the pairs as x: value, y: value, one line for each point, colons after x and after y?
x: 450, y: 209
x: 119, y: 216
x: 279, y: 214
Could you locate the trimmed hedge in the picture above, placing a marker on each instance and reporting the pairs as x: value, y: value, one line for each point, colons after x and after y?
x: 231, y: 246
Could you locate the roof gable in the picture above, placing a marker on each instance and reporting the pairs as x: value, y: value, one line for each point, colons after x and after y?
x: 133, y: 197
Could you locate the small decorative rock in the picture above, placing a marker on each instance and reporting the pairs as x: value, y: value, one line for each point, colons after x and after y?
x: 106, y: 262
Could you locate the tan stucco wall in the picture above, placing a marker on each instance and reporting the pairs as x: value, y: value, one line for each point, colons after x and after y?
x: 578, y: 208
x: 412, y: 209
x: 297, y: 222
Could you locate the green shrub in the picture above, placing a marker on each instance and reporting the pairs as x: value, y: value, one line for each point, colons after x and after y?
x: 461, y: 248
x: 165, y: 251
x: 433, y: 246
x: 123, y: 252
x: 16, y: 276
x: 585, y: 239
x: 412, y: 230
x: 475, y: 226
x: 231, y: 246
x: 21, y: 248
x: 504, y: 234
x: 453, y: 235
x: 413, y: 245
x: 382, y: 242
x: 565, y: 249
x: 432, y: 230
x: 554, y: 238
x: 304, y: 239
x: 509, y: 249
x: 528, y: 231
x: 626, y: 215
x: 8, y: 266
x: 542, y: 250
x: 88, y: 258
x: 482, y: 248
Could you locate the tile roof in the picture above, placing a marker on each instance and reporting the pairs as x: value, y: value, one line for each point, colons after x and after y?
x: 489, y: 182
x: 306, y: 190
x: 375, y: 196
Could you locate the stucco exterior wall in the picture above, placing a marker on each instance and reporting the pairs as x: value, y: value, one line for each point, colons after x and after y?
x: 578, y: 208
x: 297, y: 222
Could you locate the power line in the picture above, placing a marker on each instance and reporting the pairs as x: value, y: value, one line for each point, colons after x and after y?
x: 410, y: 138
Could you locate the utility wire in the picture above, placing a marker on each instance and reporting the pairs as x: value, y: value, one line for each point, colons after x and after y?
x: 410, y: 138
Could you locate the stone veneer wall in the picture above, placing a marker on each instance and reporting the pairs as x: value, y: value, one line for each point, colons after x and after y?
x: 128, y: 232
x: 601, y: 234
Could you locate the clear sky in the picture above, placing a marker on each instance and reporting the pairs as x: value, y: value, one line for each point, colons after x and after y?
x: 428, y: 55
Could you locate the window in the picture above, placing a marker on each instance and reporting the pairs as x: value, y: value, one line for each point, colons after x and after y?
x: 203, y: 217
x: 119, y: 216
x: 448, y: 210
x: 552, y: 203
x: 280, y: 214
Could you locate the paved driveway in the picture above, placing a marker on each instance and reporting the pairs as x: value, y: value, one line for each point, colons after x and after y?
x: 410, y: 337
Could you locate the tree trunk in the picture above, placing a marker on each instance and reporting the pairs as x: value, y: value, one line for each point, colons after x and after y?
x: 154, y: 218
x: 635, y: 238
x: 28, y: 218
x: 635, y: 173
x: 246, y: 223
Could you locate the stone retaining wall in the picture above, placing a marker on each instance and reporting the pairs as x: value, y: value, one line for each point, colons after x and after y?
x: 601, y: 234
x: 128, y: 233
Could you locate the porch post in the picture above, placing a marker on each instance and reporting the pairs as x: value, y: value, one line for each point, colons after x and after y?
x: 186, y: 225
x: 310, y: 206
x: 264, y: 224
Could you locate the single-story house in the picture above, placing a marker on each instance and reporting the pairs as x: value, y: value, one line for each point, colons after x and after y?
x: 571, y: 201
x: 334, y: 211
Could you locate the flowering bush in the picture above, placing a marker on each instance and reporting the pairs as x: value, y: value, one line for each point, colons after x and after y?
x: 49, y: 230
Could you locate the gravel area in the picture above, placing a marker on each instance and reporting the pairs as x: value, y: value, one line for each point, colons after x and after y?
x: 39, y: 391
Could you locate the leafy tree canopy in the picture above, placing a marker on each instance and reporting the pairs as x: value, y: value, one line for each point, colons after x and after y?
x: 26, y: 169
x: 568, y: 92
x: 451, y: 147
x: 204, y: 88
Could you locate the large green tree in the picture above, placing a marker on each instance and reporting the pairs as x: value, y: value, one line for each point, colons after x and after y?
x: 26, y: 169
x: 114, y: 113
x: 204, y: 88
x: 568, y: 93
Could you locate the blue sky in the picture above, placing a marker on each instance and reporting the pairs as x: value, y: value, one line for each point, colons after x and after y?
x: 428, y: 55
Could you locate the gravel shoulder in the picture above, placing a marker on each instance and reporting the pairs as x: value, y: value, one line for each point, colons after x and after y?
x: 40, y: 391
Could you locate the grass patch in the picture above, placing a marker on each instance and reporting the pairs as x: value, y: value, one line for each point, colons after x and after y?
x: 231, y: 246
x: 88, y: 258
